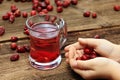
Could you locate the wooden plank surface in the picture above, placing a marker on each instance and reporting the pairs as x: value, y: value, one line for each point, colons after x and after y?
x: 107, y: 25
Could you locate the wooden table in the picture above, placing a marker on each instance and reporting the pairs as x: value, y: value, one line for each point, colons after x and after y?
x: 107, y: 25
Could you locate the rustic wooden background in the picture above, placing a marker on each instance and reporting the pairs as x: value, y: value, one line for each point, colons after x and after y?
x: 107, y: 25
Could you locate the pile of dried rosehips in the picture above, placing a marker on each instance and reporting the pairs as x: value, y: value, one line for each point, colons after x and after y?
x: 89, y: 52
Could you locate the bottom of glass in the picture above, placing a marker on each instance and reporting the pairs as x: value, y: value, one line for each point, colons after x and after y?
x: 45, y: 66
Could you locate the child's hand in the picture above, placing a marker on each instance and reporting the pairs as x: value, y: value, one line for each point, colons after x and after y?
x: 96, y: 68
x: 103, y: 47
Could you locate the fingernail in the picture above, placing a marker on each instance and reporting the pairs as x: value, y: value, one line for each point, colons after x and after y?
x: 80, y: 39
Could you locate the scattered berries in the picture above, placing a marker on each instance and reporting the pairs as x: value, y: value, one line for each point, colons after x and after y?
x: 89, y: 52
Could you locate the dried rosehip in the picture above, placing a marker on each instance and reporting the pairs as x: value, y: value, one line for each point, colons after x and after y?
x: 49, y: 7
x: 13, y: 46
x: 24, y: 14
x: 20, y: 49
x: 14, y: 39
x: 5, y: 17
x: 42, y: 13
x: 12, y: 18
x: 33, y: 12
x: 74, y: 2
x: 1, y: 1
x: 13, y: 8
x: 66, y: 4
x: 10, y: 13
x: 38, y: 9
x: 14, y: 57
x: 47, y: 17
x: 2, y: 30
x: 45, y: 11
x: 53, y: 19
x: 59, y: 9
x: 17, y: 13
x: 59, y: 3
x: 26, y: 32
x: 87, y: 50
x: 47, y: 2
x: 116, y: 7
x: 43, y: 5
x: 86, y: 13
x: 27, y: 48
x: 94, y: 15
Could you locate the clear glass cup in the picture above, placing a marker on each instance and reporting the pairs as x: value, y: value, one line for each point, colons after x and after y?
x: 48, y: 33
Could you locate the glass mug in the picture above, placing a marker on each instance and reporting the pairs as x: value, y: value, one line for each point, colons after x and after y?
x: 48, y: 33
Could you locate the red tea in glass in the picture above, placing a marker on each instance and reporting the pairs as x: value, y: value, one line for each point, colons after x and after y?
x: 44, y: 48
x: 46, y: 40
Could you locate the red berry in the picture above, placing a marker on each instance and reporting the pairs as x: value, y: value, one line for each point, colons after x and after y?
x: 84, y: 57
x: 12, y: 18
x: 45, y: 11
x: 13, y: 8
x: 56, y: 1
x: 49, y: 7
x: 2, y: 30
x: 59, y: 3
x: 59, y: 9
x: 42, y: 13
x: 5, y: 17
x: 33, y: 12
x: 34, y: 7
x: 93, y: 55
x: 116, y: 7
x: 24, y: 14
x: 35, y: 1
x: 87, y: 50
x: 86, y: 14
x: 1, y: 1
x: 94, y: 15
x: 17, y: 13
x: 74, y: 2
x: 43, y: 5
x: 26, y: 32
x: 47, y: 2
x: 27, y: 48
x: 20, y: 49
x: 53, y: 19
x: 14, y: 39
x: 39, y: 9
x: 14, y: 57
x: 13, y: 46
x: 25, y: 27
x: 9, y: 14
x: 66, y: 4
x: 47, y: 17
